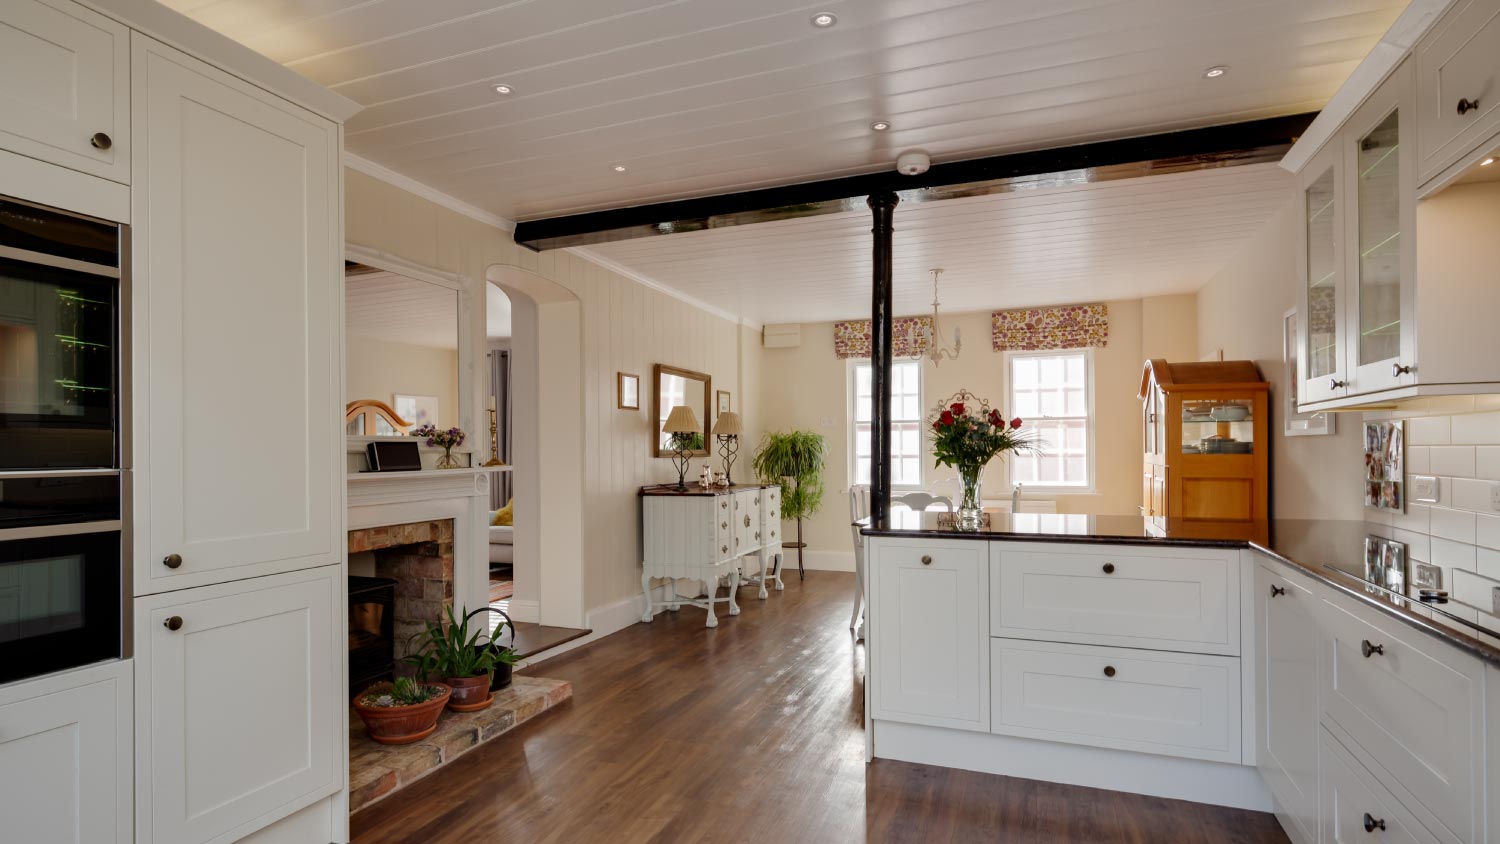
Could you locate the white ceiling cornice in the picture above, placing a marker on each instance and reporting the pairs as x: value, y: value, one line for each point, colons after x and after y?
x: 431, y: 194
x: 642, y: 279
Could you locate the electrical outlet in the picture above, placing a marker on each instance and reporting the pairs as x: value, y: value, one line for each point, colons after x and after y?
x: 1495, y: 496
x: 1424, y: 488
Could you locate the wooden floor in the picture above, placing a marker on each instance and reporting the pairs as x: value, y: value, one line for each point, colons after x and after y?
x: 749, y: 732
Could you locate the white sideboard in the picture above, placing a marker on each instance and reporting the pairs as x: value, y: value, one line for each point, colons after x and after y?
x: 705, y: 534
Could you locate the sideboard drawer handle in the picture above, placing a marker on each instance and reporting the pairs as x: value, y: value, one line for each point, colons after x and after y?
x: 172, y: 561
x: 1109, y: 671
x: 173, y: 623
x: 1109, y: 568
x: 747, y: 521
x: 1370, y: 650
x: 723, y: 526
x: 1373, y: 823
x: 723, y: 505
x: 723, y: 549
x: 1277, y: 590
x: 926, y: 560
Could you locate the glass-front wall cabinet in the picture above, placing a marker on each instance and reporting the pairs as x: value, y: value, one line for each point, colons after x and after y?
x: 1323, y: 271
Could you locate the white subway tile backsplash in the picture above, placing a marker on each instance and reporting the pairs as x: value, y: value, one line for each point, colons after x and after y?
x: 1417, y: 459
x: 1487, y: 530
x: 1487, y: 462
x: 1456, y: 461
x: 1429, y: 430
x: 1418, y: 545
x: 1475, y: 429
x: 1488, y: 563
x: 1452, y: 524
x: 1453, y: 555
x: 1416, y: 518
x: 1470, y: 494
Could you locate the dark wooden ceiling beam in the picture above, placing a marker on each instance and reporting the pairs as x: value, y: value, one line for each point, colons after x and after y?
x: 1230, y: 145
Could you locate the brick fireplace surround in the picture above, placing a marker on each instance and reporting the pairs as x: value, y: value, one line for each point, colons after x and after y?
x: 419, y: 557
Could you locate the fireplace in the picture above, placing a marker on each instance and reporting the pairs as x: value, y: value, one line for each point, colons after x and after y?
x: 404, y: 574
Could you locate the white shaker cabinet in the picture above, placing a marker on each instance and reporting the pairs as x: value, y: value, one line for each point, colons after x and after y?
x: 237, y: 291
x: 65, y: 758
x: 1286, y: 705
x: 1321, y: 267
x: 64, y: 86
x: 1458, y: 74
x: 930, y: 648
x: 239, y: 688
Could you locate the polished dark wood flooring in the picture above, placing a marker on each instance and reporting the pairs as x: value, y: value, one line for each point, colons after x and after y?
x: 749, y: 732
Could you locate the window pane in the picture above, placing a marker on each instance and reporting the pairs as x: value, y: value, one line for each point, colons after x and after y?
x: 862, y: 471
x: 905, y: 409
x: 1023, y: 373
x: 910, y: 441
x: 1049, y: 468
x: 1050, y: 371
x: 1052, y: 403
x: 862, y: 441
x: 862, y: 375
x: 1075, y: 370
x: 1075, y: 470
x: 910, y: 471
x: 862, y: 409
x: 1077, y: 437
x: 1075, y: 404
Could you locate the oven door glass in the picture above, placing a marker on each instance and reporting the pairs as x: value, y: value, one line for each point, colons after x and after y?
x: 60, y: 603
x: 57, y: 366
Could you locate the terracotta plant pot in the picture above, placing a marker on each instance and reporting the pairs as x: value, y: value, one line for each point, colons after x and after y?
x: 470, y: 694
x: 402, y: 724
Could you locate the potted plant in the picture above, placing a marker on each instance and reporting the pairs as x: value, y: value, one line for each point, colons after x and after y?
x: 795, y: 461
x: 446, y: 440
x: 401, y: 712
x: 453, y: 652
x: 967, y: 434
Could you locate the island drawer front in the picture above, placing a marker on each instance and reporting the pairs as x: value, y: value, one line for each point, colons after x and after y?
x: 1171, y: 704
x: 1129, y: 597
x: 1412, y: 710
x: 1353, y: 799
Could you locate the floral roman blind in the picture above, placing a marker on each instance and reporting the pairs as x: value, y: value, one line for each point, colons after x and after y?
x: 1043, y: 329
x: 852, y: 339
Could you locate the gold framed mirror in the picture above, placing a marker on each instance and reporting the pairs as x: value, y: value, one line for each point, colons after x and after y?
x: 671, y: 387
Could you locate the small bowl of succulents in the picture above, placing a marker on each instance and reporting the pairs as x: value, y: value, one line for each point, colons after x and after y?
x: 403, y: 711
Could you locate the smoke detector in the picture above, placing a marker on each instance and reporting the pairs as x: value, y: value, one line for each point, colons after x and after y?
x: 913, y: 163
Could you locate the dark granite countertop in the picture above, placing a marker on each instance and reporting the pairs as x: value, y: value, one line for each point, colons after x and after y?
x: 1332, y: 552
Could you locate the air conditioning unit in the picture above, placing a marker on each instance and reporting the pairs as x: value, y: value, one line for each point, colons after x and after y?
x: 785, y: 336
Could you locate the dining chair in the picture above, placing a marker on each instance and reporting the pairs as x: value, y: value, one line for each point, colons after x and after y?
x: 859, y: 508
x: 920, y: 501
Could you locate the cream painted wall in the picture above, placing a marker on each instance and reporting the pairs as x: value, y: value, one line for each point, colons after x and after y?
x: 378, y: 369
x: 806, y: 387
x: 626, y: 326
x: 1240, y: 311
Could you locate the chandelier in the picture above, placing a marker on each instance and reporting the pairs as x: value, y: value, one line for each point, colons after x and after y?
x: 932, y: 345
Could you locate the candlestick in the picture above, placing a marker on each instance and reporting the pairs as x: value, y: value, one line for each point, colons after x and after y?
x: 494, y: 439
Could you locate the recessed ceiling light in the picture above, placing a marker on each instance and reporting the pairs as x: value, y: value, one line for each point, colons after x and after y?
x: 1487, y: 162
x: 823, y: 20
x: 1215, y: 72
x: 620, y: 168
x: 502, y: 88
x: 880, y: 125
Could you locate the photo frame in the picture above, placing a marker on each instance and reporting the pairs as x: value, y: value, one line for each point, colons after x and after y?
x: 418, y: 410
x: 722, y: 403
x: 1385, y: 465
x: 1294, y: 424
x: 627, y: 391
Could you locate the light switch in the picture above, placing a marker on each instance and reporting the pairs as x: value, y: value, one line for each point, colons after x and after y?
x: 1424, y: 488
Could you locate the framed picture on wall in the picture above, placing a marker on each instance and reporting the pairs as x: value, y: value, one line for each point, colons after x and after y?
x: 1295, y: 424
x: 723, y: 403
x: 627, y: 391
x: 418, y: 410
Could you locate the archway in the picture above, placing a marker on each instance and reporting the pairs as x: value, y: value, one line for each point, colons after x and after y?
x: 547, y: 444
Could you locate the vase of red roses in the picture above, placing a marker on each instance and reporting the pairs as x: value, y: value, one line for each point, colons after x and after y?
x: 966, y: 435
x: 446, y: 440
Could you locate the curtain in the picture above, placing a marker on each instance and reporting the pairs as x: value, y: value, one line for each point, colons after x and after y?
x: 1043, y: 329
x: 500, y: 482
x: 852, y: 339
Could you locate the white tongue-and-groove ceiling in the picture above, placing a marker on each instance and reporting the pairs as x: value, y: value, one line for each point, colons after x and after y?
x: 698, y: 97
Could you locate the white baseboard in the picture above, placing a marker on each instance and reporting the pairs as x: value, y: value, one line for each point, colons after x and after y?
x: 817, y: 560
x: 1215, y: 783
x: 604, y: 621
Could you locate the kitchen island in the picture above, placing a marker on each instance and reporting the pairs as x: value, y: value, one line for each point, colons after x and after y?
x: 1175, y: 660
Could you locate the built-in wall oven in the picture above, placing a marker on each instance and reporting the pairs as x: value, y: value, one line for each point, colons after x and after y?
x: 64, y: 467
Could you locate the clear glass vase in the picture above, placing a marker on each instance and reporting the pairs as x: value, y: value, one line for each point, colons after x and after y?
x: 970, y: 507
x: 447, y: 461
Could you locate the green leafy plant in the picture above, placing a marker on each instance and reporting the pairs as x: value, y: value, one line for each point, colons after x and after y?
x: 454, y: 650
x: 404, y: 692
x: 795, y: 460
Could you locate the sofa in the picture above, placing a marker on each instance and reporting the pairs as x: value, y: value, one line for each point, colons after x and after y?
x: 502, y: 542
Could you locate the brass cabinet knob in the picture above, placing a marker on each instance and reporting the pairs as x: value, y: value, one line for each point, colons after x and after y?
x: 747, y: 521
x: 101, y: 141
x: 723, y: 526
x: 926, y: 560
x: 1465, y: 105
x: 723, y: 549
x: 723, y: 505
x: 1109, y: 568
x: 1373, y: 823
x: 773, y: 534
x: 1109, y: 671
x: 1370, y: 650
x: 1277, y: 590
x: 173, y: 623
x: 172, y: 561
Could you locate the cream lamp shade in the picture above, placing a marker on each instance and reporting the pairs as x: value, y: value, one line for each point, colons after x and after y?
x: 682, y: 420
x: 728, y: 425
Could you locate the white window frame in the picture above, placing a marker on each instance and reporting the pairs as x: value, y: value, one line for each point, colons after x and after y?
x: 923, y: 448
x: 1092, y: 486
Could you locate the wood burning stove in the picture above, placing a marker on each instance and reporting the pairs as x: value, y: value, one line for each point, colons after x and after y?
x: 372, y: 631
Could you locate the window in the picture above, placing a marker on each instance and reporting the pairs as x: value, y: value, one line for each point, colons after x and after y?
x: 1054, y: 393
x: 906, y: 423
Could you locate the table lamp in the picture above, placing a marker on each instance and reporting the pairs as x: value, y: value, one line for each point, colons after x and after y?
x: 681, y: 423
x: 728, y: 430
